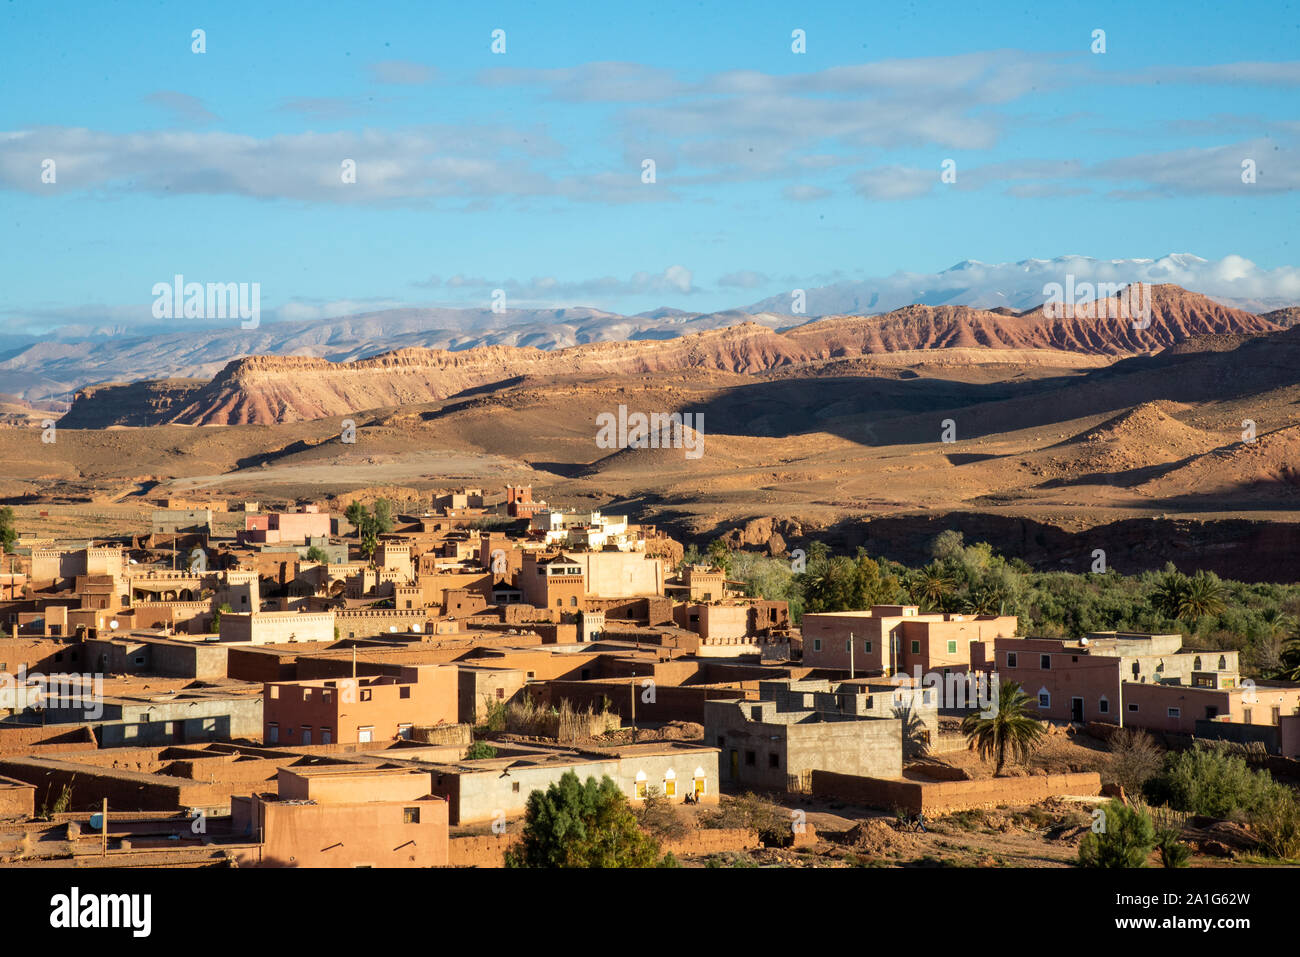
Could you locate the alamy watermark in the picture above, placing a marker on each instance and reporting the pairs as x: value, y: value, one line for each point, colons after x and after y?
x: 656, y: 430
x: 1103, y: 300
x: 31, y: 689
x: 179, y: 299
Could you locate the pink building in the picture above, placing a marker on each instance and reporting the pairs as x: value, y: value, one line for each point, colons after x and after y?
x: 1138, y: 680
x: 345, y: 816
x: 360, y: 710
x: 289, y: 528
x: 893, y: 638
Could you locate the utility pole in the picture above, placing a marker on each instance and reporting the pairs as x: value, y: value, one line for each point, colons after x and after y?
x: 633, y: 689
x: 103, y: 830
x: 852, y: 675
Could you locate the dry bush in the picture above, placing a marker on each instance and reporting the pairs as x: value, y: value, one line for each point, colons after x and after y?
x: 1135, y: 758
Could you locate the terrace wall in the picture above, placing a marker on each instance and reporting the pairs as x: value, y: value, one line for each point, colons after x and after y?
x: 941, y: 797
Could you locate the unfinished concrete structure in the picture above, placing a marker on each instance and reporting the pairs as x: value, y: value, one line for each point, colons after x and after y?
x: 795, y: 728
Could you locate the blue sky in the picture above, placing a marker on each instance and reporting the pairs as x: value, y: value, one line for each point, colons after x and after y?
x: 522, y: 170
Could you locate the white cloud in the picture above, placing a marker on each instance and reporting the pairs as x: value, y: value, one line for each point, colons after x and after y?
x: 1019, y: 285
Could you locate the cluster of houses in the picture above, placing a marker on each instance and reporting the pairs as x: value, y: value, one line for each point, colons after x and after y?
x: 310, y: 700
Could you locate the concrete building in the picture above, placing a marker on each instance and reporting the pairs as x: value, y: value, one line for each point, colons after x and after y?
x: 556, y: 582
x: 1138, y: 680
x: 289, y: 528
x: 361, y: 710
x: 148, y: 720
x: 776, y: 743
x: 275, y: 627
x: 344, y: 816
x: 478, y: 791
x: 176, y: 521
x: 889, y: 639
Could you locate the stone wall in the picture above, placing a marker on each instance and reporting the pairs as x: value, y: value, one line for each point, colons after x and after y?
x: 940, y: 797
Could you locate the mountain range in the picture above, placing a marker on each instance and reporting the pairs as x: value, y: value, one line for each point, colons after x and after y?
x: 55, y: 366
x: 266, y: 390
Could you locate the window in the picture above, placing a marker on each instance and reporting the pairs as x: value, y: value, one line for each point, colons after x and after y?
x: 1277, y: 714
x: 817, y: 644
x: 848, y: 644
x: 1132, y: 707
x: 1011, y: 659
x: 404, y: 691
x: 514, y: 786
x: 670, y: 783
x: 365, y: 735
x: 1045, y: 662
x: 1103, y: 706
x: 306, y: 734
x: 1044, y: 699
x: 573, y: 599
x: 773, y: 759
x: 404, y: 732
x: 326, y: 736
x: 1196, y: 665
x: 751, y: 759
x: 410, y: 815
x: 1248, y: 715
x: 559, y: 603
x: 916, y: 647
x: 952, y: 647
x: 365, y: 694
x: 501, y: 692
x: 866, y: 646
x: 1174, y: 712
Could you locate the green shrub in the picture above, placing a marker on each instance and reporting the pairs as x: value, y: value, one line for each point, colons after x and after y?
x: 1210, y: 782
x: 1276, y: 821
x: 480, y: 750
x: 1125, y: 839
x: 583, y: 824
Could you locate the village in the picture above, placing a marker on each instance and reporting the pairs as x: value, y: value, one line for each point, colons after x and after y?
x: 370, y: 688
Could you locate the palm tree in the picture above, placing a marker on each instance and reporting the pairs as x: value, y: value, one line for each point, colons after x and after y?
x: 930, y: 585
x: 369, y: 543
x: 1202, y: 598
x: 1289, y: 660
x: 1189, y: 599
x: 1167, y: 599
x: 985, y: 600
x: 1010, y: 731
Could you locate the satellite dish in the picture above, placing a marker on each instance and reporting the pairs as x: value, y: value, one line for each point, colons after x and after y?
x: 113, y: 624
x: 417, y: 629
x: 133, y: 561
x: 1084, y: 642
x: 392, y: 628
x: 97, y: 821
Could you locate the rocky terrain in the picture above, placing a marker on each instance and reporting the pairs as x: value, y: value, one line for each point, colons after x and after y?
x: 1047, y: 438
x: 282, y: 389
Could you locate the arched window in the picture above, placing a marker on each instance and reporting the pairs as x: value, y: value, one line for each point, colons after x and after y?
x: 640, y: 784
x: 1223, y: 662
x: 701, y: 783
x: 670, y: 783
x: 1196, y: 664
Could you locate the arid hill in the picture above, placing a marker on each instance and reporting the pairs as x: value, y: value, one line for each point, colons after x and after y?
x: 283, y: 389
